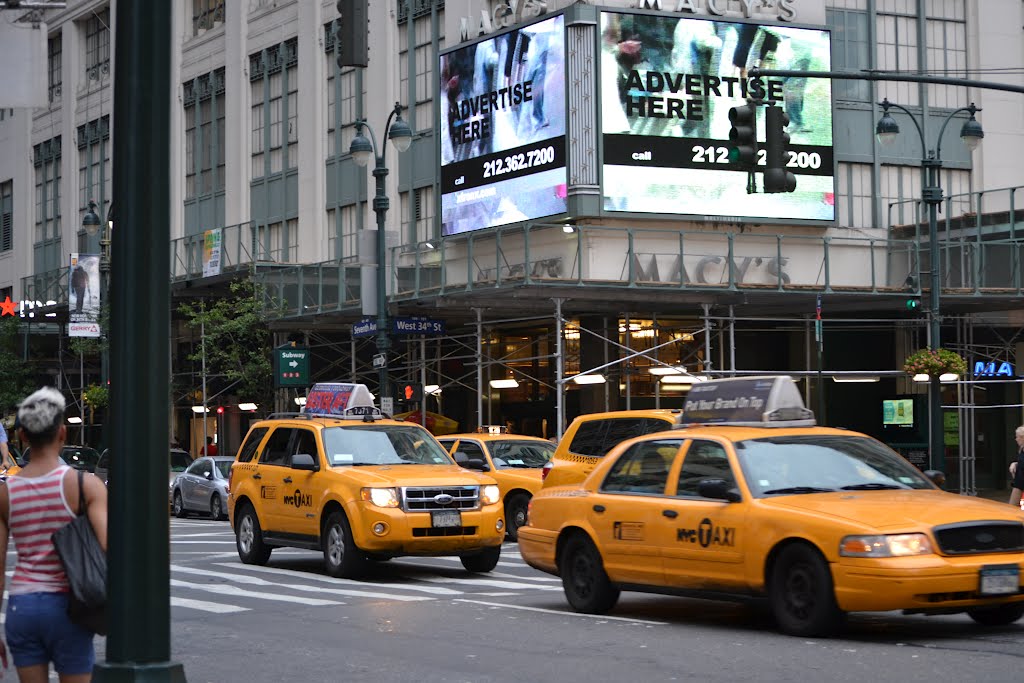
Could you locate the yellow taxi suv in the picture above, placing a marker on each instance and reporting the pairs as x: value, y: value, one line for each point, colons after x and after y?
x: 589, y: 437
x: 515, y: 461
x: 748, y: 500
x: 344, y: 479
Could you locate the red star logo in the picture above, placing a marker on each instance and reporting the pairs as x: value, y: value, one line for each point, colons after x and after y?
x: 8, y: 307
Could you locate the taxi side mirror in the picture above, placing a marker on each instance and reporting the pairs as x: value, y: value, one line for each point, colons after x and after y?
x: 937, y: 477
x: 304, y: 461
x: 718, y: 489
x: 464, y: 460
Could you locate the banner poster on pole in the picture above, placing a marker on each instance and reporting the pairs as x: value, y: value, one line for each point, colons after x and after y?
x: 84, y: 296
x: 212, y: 240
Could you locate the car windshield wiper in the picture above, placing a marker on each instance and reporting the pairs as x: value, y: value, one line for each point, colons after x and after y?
x: 799, y: 489
x: 873, y: 486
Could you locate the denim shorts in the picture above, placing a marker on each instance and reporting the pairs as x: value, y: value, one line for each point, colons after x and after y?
x: 39, y: 632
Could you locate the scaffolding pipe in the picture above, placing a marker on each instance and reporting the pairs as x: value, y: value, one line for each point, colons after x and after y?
x: 559, y: 370
x: 479, y: 368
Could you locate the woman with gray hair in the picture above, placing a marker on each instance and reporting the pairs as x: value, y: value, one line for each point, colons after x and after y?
x: 37, y: 501
x: 1017, y: 468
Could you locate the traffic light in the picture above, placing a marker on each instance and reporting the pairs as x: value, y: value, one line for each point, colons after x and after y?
x: 352, y: 39
x: 913, y: 306
x: 776, y: 142
x: 410, y: 391
x: 743, y: 136
x: 220, y: 410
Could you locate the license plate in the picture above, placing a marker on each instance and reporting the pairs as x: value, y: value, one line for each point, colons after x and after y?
x: 999, y: 580
x: 446, y: 518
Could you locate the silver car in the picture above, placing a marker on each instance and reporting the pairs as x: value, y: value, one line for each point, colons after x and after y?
x: 203, y: 487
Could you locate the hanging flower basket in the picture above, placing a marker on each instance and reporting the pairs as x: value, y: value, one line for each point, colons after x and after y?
x: 935, y: 362
x: 96, y: 396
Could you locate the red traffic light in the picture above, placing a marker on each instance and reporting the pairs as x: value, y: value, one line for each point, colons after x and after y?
x: 220, y: 410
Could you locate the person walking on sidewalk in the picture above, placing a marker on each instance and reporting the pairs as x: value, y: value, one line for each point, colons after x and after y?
x: 1017, y: 468
x: 36, y: 502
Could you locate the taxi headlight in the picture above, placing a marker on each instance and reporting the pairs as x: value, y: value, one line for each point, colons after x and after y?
x: 489, y: 495
x: 895, y: 545
x: 382, y: 498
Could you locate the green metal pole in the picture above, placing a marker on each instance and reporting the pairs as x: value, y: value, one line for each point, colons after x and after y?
x: 932, y: 195
x: 138, y: 556
x: 380, y: 207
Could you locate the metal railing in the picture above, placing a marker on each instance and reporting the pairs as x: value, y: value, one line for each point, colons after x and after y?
x: 328, y: 286
x: 242, y: 245
x: 46, y: 289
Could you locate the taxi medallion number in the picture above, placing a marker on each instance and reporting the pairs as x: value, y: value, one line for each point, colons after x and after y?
x: 999, y: 580
x: 446, y: 518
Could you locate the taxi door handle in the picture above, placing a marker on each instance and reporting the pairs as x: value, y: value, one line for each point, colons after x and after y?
x: 257, y: 476
x: 671, y: 514
x: 599, y: 508
x: 287, y: 480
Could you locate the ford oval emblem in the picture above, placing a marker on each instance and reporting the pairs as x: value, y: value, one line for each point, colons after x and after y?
x: 984, y: 538
x: 443, y: 499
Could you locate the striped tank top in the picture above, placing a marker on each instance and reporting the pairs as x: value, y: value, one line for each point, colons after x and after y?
x: 38, y: 508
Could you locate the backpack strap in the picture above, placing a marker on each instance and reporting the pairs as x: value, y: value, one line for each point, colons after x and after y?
x: 81, y: 493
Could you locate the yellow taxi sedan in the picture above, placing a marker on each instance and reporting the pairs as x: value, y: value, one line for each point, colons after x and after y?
x: 747, y: 500
x: 515, y: 461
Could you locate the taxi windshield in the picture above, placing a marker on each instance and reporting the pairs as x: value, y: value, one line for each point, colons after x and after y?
x: 786, y: 465
x: 520, y: 454
x: 382, y: 445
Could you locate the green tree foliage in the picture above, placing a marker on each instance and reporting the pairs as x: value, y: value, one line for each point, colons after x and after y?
x: 238, y: 340
x: 16, y: 378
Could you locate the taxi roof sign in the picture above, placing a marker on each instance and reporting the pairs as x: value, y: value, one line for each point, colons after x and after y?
x: 339, y: 398
x: 773, y: 401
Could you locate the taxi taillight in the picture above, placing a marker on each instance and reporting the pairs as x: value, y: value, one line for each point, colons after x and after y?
x: 546, y: 470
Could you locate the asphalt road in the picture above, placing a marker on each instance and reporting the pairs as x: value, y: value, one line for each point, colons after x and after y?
x: 423, y: 620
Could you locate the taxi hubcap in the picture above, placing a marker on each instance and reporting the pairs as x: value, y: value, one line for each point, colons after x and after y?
x: 245, y: 534
x: 800, y: 592
x: 335, y: 545
x: 520, y: 518
x: 582, y: 574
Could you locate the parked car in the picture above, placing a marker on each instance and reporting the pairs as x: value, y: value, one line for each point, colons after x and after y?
x: 179, y: 462
x: 79, y: 457
x: 203, y: 487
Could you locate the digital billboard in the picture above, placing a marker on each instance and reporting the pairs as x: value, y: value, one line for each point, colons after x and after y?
x: 503, y: 128
x: 667, y: 84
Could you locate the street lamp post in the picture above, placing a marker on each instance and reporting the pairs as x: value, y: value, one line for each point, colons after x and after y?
x: 91, y: 224
x: 361, y: 150
x: 931, y: 194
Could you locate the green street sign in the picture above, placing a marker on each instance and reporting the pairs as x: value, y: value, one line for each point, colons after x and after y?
x: 291, y: 367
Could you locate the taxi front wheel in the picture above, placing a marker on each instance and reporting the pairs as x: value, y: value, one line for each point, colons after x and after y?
x: 587, y: 587
x: 483, y: 561
x: 342, y: 558
x: 249, y: 538
x: 801, y: 593
x: 1001, y: 615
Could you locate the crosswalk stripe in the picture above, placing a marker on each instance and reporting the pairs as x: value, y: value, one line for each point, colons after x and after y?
x: 492, y: 583
x: 224, y: 542
x: 222, y: 589
x: 256, y: 581
x: 563, y: 613
x: 206, y: 606
x: 345, y: 582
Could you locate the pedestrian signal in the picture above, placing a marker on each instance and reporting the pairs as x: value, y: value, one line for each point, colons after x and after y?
x: 410, y: 391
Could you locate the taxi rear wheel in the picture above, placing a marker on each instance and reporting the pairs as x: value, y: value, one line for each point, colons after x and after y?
x: 342, y: 558
x: 249, y: 538
x: 483, y: 561
x: 801, y: 593
x: 515, y: 514
x: 586, y: 585
x: 1002, y: 615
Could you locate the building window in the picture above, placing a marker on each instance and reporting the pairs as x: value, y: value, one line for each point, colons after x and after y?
x: 850, y: 52
x: 342, y: 235
x: 341, y: 88
x: 97, y: 45
x: 6, y: 216
x: 946, y: 31
x: 418, y: 216
x: 274, y: 76
x: 421, y: 117
x: 204, y: 135
x: 46, y: 158
x: 278, y: 241
x: 54, y: 62
x: 206, y: 14
x: 896, y: 29
x: 94, y: 181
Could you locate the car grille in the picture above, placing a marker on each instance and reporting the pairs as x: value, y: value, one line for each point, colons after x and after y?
x: 975, y: 538
x: 445, y: 531
x: 424, y: 499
